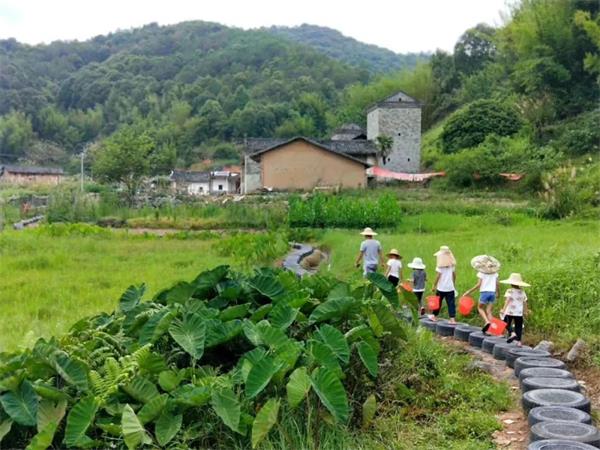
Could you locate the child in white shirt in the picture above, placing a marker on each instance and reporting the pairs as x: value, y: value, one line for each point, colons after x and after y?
x: 394, y: 267
x: 515, y: 307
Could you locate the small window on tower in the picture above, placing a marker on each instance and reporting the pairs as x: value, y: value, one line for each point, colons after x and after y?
x: 408, y: 159
x: 399, y: 134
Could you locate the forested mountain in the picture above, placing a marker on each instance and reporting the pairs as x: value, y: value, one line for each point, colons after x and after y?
x: 348, y: 50
x: 190, y: 85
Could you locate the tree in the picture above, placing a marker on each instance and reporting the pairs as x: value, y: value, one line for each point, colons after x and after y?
x: 124, y: 158
x: 384, y: 144
x: 16, y: 134
x: 474, y: 49
x: 583, y: 19
x: 470, y: 126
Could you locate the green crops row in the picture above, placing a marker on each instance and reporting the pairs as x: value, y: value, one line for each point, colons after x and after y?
x: 210, y: 363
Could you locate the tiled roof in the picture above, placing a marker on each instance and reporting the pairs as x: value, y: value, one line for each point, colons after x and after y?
x: 32, y: 170
x: 189, y: 177
x: 358, y: 148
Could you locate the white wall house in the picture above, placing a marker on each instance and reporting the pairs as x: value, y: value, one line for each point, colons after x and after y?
x: 224, y: 182
x: 205, y: 183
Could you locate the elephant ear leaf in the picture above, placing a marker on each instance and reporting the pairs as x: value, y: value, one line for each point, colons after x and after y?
x: 331, y: 392
x: 73, y: 371
x: 389, y: 322
x: 141, y: 389
x: 43, y: 439
x: 368, y: 357
x: 385, y: 287
x: 268, y: 285
x: 260, y: 375
x: 227, y: 407
x: 5, y: 427
x: 167, y: 426
x: 335, y: 340
x: 21, y: 405
x: 264, y: 421
x: 134, y: 433
x: 298, y: 386
x: 335, y: 308
x: 369, y: 408
x: 190, y: 334
x: 48, y: 412
x: 79, y: 420
x: 131, y: 297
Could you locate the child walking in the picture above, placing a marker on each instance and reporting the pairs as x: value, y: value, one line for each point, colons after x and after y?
x: 515, y: 307
x: 487, y: 268
x: 443, y: 286
x: 394, y: 267
x: 419, y: 276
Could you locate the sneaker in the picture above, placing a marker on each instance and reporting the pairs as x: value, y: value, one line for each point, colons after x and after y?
x: 422, y: 311
x: 485, y: 328
x: 512, y: 338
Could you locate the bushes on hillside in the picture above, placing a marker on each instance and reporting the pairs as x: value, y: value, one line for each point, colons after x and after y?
x: 470, y: 126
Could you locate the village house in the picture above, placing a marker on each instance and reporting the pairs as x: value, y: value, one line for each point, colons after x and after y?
x: 205, y: 183
x: 26, y: 176
x: 303, y: 163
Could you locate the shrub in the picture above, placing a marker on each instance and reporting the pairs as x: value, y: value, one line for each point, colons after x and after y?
x: 578, y: 136
x: 471, y: 125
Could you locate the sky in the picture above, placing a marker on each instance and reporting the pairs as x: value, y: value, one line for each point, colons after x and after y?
x: 400, y: 25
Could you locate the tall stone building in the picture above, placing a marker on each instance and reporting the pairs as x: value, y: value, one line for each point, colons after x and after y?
x: 398, y: 117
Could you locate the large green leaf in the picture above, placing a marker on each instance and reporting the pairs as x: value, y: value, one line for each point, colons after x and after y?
x: 168, y: 380
x: 79, y: 420
x: 218, y: 332
x: 192, y: 396
x: 131, y: 297
x: 234, y: 312
x: 133, y: 431
x: 141, y: 389
x: 389, y: 321
x: 336, y: 308
x: 325, y: 357
x: 282, y: 315
x: 264, y: 421
x: 271, y: 336
x: 206, y: 283
x: 155, y: 327
x: 331, y: 392
x: 49, y: 412
x: 260, y: 375
x: 268, y: 285
x: 335, y: 340
x: 190, y: 334
x: 368, y: 357
x: 180, y: 293
x: 261, y: 312
x: 43, y: 439
x: 50, y: 392
x: 226, y: 405
x: 5, y: 427
x: 21, y: 405
x: 298, y: 386
x: 385, y: 287
x: 167, y: 426
x: 369, y: 408
x: 152, y: 409
x: 252, y: 332
x: 72, y: 370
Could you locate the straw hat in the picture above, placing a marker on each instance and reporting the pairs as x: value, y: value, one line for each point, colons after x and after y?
x: 417, y: 263
x: 368, y: 232
x: 486, y: 264
x: 394, y: 252
x: 515, y: 279
x: 445, y: 258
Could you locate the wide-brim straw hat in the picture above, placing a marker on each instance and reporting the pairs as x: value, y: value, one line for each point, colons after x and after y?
x: 444, y: 257
x: 394, y: 252
x: 516, y: 280
x: 485, y: 264
x: 368, y: 232
x: 417, y: 263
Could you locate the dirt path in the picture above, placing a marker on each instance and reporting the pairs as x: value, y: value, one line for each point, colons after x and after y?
x: 515, y: 429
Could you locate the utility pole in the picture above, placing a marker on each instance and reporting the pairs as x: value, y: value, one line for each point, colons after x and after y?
x: 82, y: 155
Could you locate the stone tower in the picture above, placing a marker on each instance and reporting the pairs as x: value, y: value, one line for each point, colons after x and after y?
x: 398, y: 117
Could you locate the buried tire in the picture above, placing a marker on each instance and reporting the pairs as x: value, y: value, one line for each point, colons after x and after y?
x: 462, y: 332
x: 476, y: 338
x: 555, y: 397
x: 568, y: 384
x: 544, y: 372
x: 515, y: 353
x: 445, y: 328
x: 569, y: 431
x: 526, y: 362
x: 558, y: 414
x: 428, y: 323
x: 559, y: 444
x: 501, y: 349
x: 489, y: 343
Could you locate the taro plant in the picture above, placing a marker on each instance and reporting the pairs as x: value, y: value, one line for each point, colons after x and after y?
x: 222, y: 355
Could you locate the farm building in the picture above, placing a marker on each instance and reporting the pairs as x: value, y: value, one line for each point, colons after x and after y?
x: 204, y: 183
x: 21, y: 175
x: 303, y: 163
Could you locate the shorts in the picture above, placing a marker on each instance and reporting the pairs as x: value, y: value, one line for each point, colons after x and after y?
x: 487, y: 298
x: 394, y: 280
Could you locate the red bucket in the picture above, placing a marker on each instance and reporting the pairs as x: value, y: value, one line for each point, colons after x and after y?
x: 406, y: 286
x: 433, y: 302
x: 497, y: 327
x: 465, y: 305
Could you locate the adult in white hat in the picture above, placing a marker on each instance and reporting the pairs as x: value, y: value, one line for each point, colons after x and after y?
x: 515, y: 307
x: 487, y: 268
x: 443, y: 286
x: 370, y: 252
x: 419, y: 277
